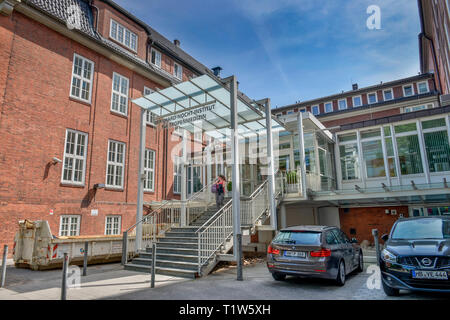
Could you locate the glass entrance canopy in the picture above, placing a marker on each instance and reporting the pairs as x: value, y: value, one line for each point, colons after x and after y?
x: 203, y: 103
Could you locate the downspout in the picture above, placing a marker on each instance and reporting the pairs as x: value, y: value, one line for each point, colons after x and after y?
x: 423, y: 34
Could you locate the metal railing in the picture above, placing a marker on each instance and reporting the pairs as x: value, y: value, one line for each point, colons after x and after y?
x: 214, y: 233
x: 158, y: 221
x: 293, y: 181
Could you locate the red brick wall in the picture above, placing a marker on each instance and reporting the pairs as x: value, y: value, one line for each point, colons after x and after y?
x: 36, y: 112
x: 366, y: 219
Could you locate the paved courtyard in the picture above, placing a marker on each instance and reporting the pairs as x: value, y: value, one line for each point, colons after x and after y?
x: 110, y: 281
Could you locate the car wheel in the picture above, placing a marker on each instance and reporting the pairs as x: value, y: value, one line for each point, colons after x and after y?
x: 340, y: 278
x: 391, y: 292
x: 278, y: 276
x: 360, y: 263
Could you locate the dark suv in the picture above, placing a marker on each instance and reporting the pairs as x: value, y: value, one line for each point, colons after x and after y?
x: 416, y: 255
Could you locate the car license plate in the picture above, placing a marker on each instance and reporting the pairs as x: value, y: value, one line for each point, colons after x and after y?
x: 422, y: 274
x: 295, y: 254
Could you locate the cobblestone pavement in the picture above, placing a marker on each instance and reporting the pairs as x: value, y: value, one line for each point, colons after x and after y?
x: 110, y: 281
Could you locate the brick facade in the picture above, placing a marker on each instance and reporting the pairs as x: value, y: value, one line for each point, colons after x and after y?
x: 363, y: 220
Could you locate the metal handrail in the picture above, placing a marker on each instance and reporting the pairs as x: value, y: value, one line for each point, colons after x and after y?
x: 149, y: 215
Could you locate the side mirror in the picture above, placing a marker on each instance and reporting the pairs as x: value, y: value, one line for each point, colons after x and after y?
x: 385, y: 237
x: 354, y: 240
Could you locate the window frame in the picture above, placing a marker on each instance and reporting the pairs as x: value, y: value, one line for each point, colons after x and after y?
x: 120, y: 94
x: 388, y: 90
x: 123, y: 41
x: 108, y: 162
x: 177, y: 173
x: 78, y: 224
x: 358, y: 161
x: 418, y: 87
x: 75, y: 157
x: 368, y: 97
x: 363, y: 159
x: 325, y: 106
x: 149, y: 170
x: 413, y: 90
x: 360, y: 99
x: 81, y: 78
x: 339, y: 104
x: 157, y: 52
x: 119, y: 230
x: 180, y: 68
x: 318, y: 109
x: 150, y: 116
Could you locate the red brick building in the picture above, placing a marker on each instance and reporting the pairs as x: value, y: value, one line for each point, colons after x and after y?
x: 69, y: 134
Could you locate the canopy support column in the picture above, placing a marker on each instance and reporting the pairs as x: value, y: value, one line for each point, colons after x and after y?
x: 237, y: 233
x: 301, y: 149
x: 271, y: 169
x: 183, y: 219
x: 141, y: 174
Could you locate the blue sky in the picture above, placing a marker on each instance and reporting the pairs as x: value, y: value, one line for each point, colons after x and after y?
x: 291, y: 50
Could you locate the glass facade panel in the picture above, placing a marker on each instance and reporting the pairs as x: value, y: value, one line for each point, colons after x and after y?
x: 347, y: 137
x: 405, y: 128
x: 409, y: 154
x: 436, y: 123
x: 370, y: 133
x: 390, y: 157
x: 438, y: 150
x: 373, y: 158
x: 349, y: 161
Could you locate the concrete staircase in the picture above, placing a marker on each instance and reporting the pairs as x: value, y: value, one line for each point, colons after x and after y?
x: 176, y: 251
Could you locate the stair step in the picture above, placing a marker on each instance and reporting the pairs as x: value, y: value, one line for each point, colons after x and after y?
x: 183, y: 265
x: 178, y: 239
x: 170, y: 256
x: 173, y: 234
x: 184, y: 229
x: 170, y: 250
x: 187, y: 245
x: 163, y: 271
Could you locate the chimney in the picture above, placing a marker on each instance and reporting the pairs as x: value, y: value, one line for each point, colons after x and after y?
x: 355, y: 86
x: 176, y: 42
x: 216, y: 71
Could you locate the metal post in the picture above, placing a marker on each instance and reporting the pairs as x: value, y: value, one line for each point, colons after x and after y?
x: 86, y: 248
x: 183, y: 182
x: 301, y: 149
x: 237, y: 232
x: 271, y: 186
x: 377, y: 244
x: 140, y: 195
x: 153, y: 264
x: 64, y: 277
x: 5, y: 256
x: 125, y: 248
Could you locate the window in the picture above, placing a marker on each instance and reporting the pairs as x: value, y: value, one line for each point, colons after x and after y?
x: 348, y: 152
x: 423, y: 87
x: 357, y: 102
x: 373, y: 153
x: 408, y: 149
x: 123, y: 35
x: 150, y: 116
x: 113, y: 225
x: 290, y: 112
x: 149, y: 170
x: 156, y: 58
x: 115, y: 164
x: 417, y: 108
x: 331, y: 238
x: 119, y: 100
x: 328, y: 107
x: 342, y: 104
x: 388, y: 95
x: 178, y: 71
x: 408, y: 90
x: 75, y: 150
x: 372, y: 98
x: 315, y: 110
x: 436, y: 145
x: 390, y: 155
x: 69, y: 226
x: 177, y: 175
x: 82, y: 74
x: 303, y: 110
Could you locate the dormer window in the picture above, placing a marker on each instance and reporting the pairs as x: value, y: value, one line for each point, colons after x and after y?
x: 123, y: 35
x: 156, y: 58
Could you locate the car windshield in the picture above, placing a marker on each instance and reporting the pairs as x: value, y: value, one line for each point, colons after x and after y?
x: 298, y: 237
x: 422, y: 229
